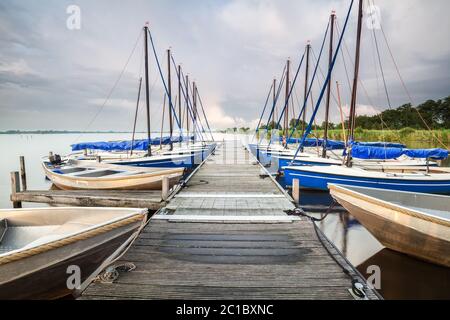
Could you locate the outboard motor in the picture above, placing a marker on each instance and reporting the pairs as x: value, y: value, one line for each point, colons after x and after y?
x: 55, y: 159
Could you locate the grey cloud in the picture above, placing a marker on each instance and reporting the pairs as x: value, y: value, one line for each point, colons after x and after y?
x: 231, y: 48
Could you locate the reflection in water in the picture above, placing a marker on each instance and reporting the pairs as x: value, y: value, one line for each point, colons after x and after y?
x: 422, y: 280
x: 404, y: 277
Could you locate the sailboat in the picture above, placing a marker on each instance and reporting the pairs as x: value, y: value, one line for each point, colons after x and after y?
x: 318, y: 151
x: 140, y: 152
x: 408, y: 178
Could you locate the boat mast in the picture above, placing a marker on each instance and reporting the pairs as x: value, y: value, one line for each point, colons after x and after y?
x: 135, y: 115
x: 327, y: 107
x: 355, y: 83
x: 274, y: 100
x: 286, y: 114
x: 187, y: 109
x: 308, y: 48
x: 169, y: 89
x: 179, y: 103
x: 194, y: 107
x: 147, y: 91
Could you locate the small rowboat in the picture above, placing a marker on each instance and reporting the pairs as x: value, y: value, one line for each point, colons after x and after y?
x: 49, y: 253
x: 73, y: 174
x: 416, y: 224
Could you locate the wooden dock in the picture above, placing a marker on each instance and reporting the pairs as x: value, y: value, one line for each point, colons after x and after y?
x: 149, y: 199
x: 225, y: 235
x: 92, y: 198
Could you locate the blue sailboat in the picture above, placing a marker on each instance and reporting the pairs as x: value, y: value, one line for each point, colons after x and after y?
x: 139, y: 152
x: 415, y: 179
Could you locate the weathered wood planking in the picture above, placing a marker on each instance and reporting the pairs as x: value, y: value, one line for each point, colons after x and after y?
x: 92, y: 198
x: 232, y: 261
x: 214, y: 259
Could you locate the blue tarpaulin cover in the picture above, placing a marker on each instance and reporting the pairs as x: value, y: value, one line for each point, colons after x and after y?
x: 382, y: 144
x: 339, y: 145
x: 313, y: 142
x: 141, y: 144
x: 368, y: 152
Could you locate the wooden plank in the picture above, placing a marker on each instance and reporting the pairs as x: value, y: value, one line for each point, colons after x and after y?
x: 226, y: 236
x: 93, y: 198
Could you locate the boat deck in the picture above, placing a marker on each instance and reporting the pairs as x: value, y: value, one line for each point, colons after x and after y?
x: 225, y: 235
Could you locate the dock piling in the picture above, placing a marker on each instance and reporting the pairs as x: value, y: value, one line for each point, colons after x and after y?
x: 23, y: 175
x: 165, y: 188
x: 296, y: 190
x: 15, y: 188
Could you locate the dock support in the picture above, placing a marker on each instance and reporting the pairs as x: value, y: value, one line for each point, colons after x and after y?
x: 23, y: 175
x: 15, y: 188
x: 296, y: 190
x: 165, y: 188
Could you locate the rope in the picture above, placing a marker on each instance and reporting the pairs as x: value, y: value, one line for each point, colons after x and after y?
x: 311, y: 83
x: 361, y: 83
x: 308, y: 129
x: 112, y: 273
x: 204, y: 114
x: 69, y: 240
x: 381, y: 66
x: 357, y: 288
x: 272, y: 112
x: 189, y: 104
x: 406, y: 89
x: 264, y: 109
x: 164, y: 82
x: 108, y: 96
x: 301, y: 213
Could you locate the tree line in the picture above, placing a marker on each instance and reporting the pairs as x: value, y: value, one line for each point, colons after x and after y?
x: 432, y: 113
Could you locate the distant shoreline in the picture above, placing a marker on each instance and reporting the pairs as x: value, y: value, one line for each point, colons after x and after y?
x: 62, y: 132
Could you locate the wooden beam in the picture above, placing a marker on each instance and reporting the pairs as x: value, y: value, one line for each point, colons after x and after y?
x: 15, y: 188
x: 135, y: 199
x: 23, y: 175
x: 296, y: 190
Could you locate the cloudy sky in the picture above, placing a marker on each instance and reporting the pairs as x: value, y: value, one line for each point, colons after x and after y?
x: 52, y: 77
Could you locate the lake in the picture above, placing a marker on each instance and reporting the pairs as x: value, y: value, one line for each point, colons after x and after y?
x: 402, y: 277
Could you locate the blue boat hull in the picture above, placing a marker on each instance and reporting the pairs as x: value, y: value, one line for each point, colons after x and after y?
x: 185, y: 161
x: 300, y: 162
x: 319, y: 181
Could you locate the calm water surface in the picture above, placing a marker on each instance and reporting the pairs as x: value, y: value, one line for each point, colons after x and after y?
x: 402, y: 277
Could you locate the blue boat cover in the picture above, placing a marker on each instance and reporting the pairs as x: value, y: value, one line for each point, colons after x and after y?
x: 125, y: 145
x: 381, y: 144
x: 313, y: 142
x: 368, y: 152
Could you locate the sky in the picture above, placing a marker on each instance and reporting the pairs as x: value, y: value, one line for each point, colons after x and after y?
x: 55, y: 77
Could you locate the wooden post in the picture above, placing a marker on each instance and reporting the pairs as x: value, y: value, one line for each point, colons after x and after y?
x: 165, y: 188
x: 23, y: 175
x: 296, y: 190
x: 15, y: 188
x: 99, y: 159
